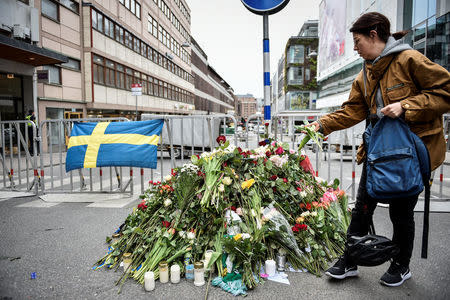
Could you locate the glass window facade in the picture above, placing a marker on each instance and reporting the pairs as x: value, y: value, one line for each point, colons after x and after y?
x: 429, y: 35
x: 295, y: 75
x: 297, y: 100
x: 296, y: 54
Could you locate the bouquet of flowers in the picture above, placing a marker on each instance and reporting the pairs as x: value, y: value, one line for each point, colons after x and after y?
x: 241, y: 203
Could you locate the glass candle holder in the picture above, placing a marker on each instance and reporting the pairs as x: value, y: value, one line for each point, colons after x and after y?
x: 199, y: 274
x: 163, y: 272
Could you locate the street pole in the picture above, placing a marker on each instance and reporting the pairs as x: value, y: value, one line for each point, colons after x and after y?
x: 35, y: 104
x: 266, y: 66
x: 136, y: 106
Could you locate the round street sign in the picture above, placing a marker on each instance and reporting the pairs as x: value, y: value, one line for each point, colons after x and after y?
x: 265, y: 7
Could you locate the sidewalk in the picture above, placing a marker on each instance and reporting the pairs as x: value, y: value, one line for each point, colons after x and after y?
x: 61, y: 243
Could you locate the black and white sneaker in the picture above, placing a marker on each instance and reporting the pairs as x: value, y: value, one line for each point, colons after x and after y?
x: 395, y: 275
x: 342, y: 269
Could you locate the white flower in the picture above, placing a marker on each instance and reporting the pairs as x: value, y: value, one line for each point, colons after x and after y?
x: 305, y: 213
x: 167, y: 202
x: 182, y: 234
x: 221, y: 188
x: 226, y: 180
x: 253, y: 212
x: 190, y: 235
x: 303, y: 194
x: 319, y: 179
x: 245, y: 236
x: 279, y: 161
x: 314, y: 214
x: 168, y: 177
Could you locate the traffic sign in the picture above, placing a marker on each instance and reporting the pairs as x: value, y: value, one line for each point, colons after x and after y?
x: 265, y: 7
x: 136, y: 89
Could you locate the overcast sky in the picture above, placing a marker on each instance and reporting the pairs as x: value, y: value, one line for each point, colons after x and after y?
x: 231, y: 37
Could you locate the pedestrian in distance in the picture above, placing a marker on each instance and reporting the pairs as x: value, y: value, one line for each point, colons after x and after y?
x: 396, y: 82
x: 31, y: 118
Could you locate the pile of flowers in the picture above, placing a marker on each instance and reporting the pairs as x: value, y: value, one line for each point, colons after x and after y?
x: 246, y: 205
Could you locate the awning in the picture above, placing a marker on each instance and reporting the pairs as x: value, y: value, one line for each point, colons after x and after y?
x: 12, y: 49
x: 332, y: 100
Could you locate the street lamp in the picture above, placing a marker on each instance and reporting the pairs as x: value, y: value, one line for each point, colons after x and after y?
x: 312, y: 54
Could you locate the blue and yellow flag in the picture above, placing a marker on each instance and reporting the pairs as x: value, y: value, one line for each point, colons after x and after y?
x: 104, y: 144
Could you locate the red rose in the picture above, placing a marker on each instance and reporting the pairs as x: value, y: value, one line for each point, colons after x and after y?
x: 268, y: 153
x: 285, y: 180
x: 299, y: 189
x: 224, y: 164
x: 274, y: 189
x: 166, y: 224
x: 262, y: 143
x: 142, y: 205
x: 308, y: 206
x: 266, y: 124
x: 239, y: 149
x: 294, y: 229
x: 221, y: 139
x: 279, y: 150
x: 233, y: 208
x: 273, y: 177
x: 303, y: 227
x: 255, y: 162
x: 265, y: 159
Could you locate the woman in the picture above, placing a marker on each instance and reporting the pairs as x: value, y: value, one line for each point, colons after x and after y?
x: 397, y: 82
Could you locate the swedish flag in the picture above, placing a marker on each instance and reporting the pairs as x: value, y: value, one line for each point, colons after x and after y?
x: 131, y: 144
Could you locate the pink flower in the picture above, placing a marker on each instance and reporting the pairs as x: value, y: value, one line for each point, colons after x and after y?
x: 291, y: 151
x: 285, y: 180
x: 239, y: 211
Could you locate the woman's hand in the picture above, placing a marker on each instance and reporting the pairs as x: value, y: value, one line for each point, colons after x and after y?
x: 393, y: 110
x: 316, y: 125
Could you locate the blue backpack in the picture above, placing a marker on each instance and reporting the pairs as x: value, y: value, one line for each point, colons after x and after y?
x: 398, y: 165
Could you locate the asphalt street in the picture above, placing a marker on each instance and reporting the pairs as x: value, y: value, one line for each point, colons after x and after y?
x: 61, y: 242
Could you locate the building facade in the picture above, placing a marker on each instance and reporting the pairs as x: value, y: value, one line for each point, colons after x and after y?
x: 294, y: 85
x: 300, y: 68
x: 103, y: 47
x: 212, y: 94
x: 246, y: 105
x: 428, y: 22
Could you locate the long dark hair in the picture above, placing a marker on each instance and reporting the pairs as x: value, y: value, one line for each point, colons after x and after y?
x: 379, y: 23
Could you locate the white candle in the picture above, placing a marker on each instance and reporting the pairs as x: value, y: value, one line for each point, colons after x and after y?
x: 208, y: 255
x: 163, y: 272
x: 149, y: 281
x: 175, y: 273
x: 270, y: 267
x: 199, y: 274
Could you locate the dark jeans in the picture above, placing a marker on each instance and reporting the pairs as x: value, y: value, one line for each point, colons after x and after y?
x: 401, y: 213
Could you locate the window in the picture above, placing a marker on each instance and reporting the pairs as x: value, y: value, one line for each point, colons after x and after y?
x: 70, y: 4
x: 119, y: 33
x: 54, y: 74
x: 50, y: 9
x: 138, y: 10
x: 150, y: 85
x: 94, y: 19
x: 109, y: 28
x: 100, y: 22
x: 133, y: 6
x: 98, y: 69
x: 296, y: 54
x: 295, y: 75
x: 109, y: 73
x: 129, y: 78
x: 120, y: 77
x: 72, y: 64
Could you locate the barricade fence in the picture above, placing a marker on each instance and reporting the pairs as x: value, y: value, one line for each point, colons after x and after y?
x: 25, y: 169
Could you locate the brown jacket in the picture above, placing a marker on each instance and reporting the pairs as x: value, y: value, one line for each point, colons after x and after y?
x: 421, y: 86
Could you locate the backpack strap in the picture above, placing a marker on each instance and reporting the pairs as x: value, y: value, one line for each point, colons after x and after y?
x: 426, y: 220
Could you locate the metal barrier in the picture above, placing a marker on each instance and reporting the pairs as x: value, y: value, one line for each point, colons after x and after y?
x: 187, y: 135
x: 19, y: 168
x: 182, y: 137
x: 342, y: 143
x: 55, y: 135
